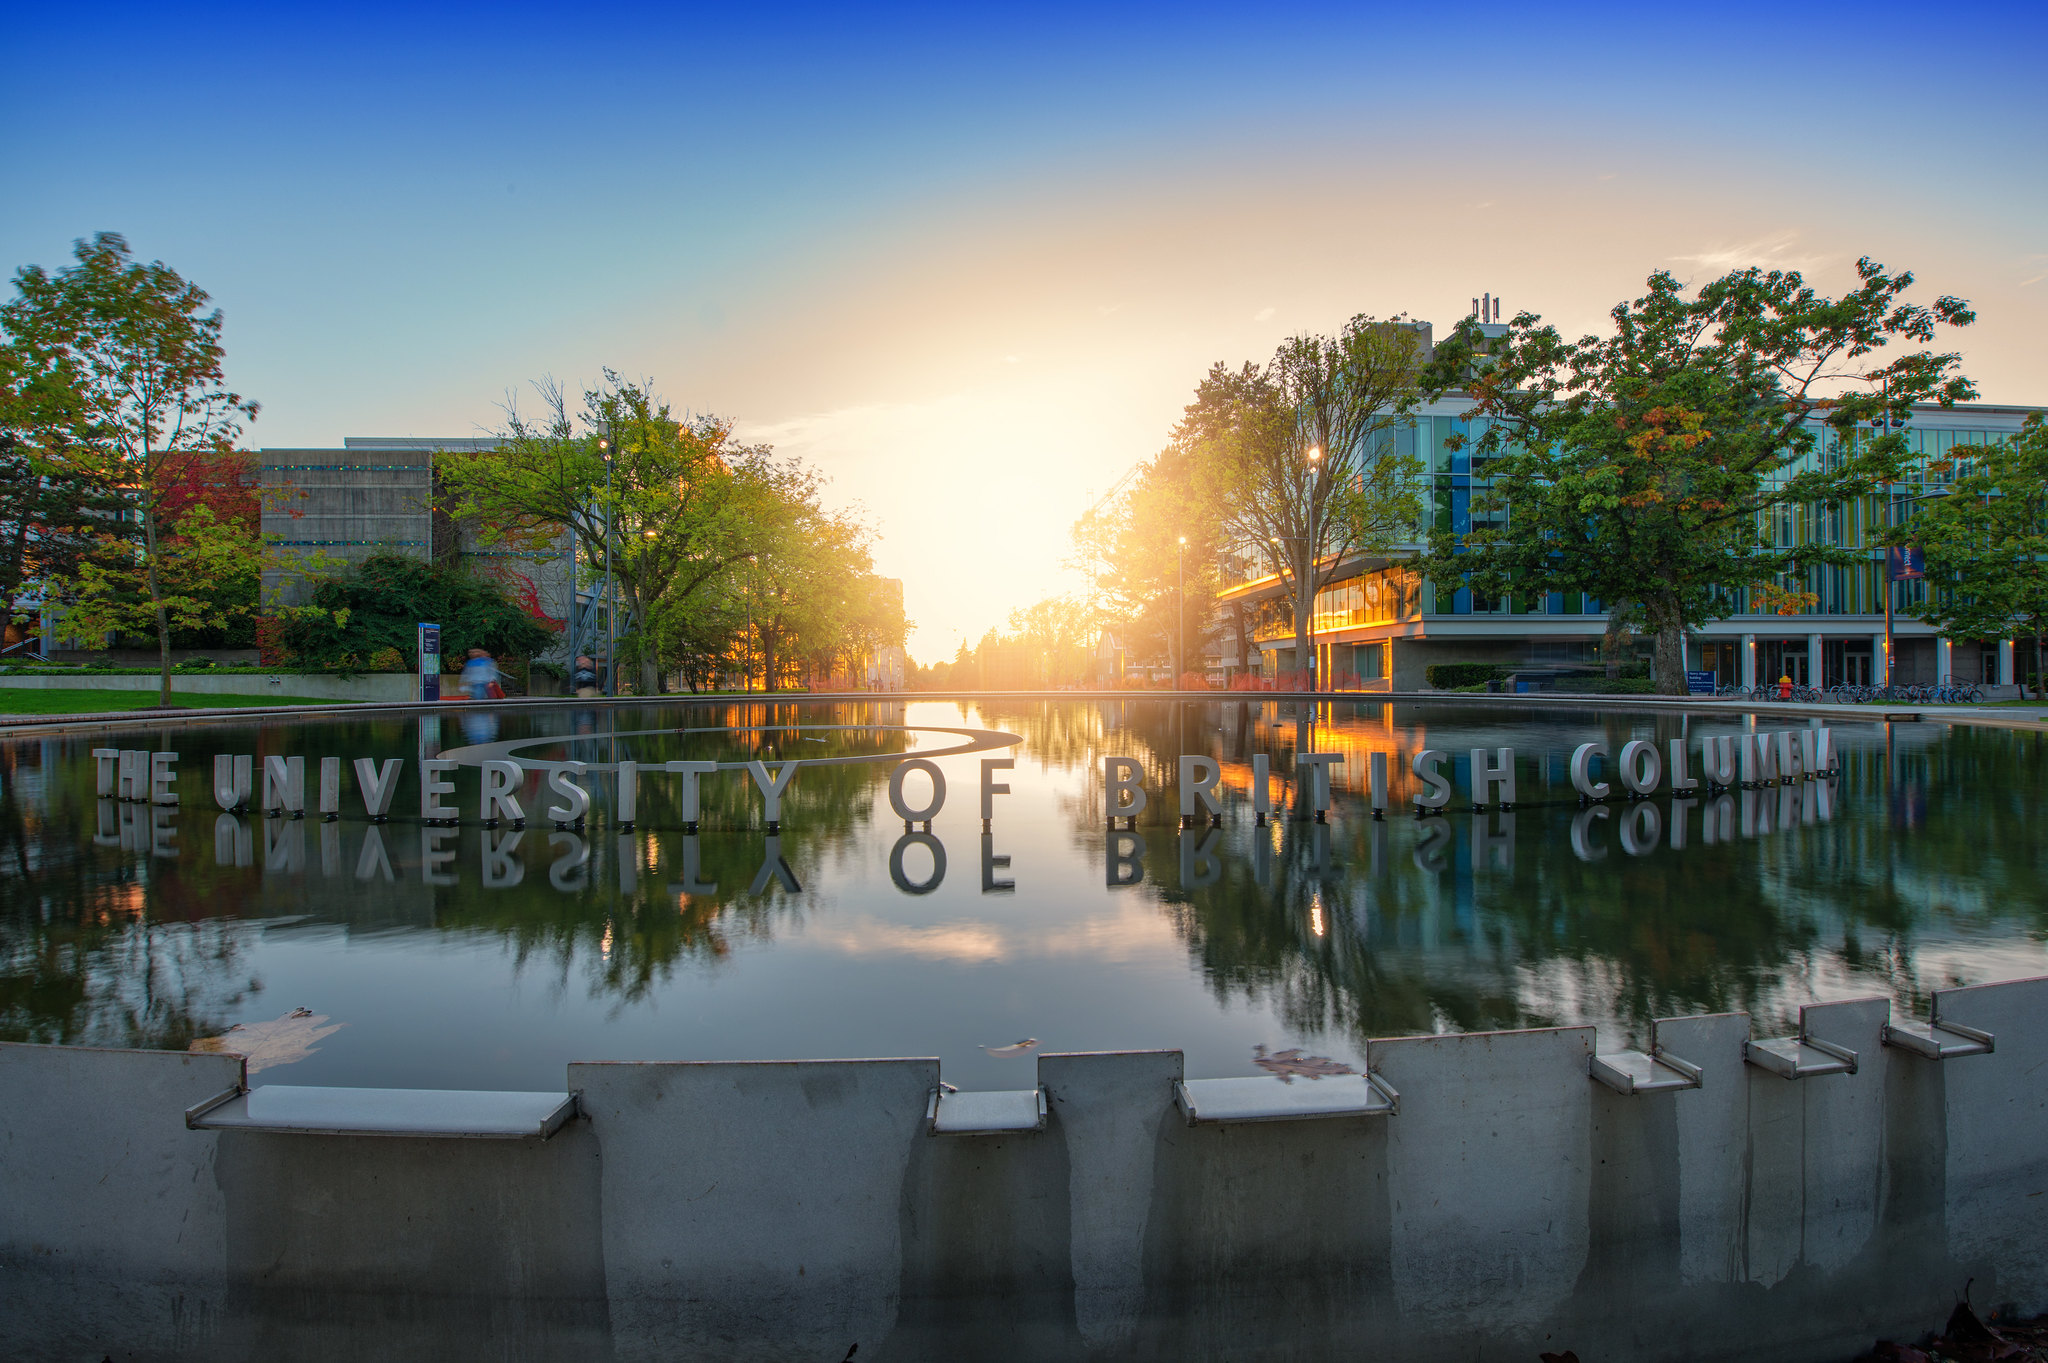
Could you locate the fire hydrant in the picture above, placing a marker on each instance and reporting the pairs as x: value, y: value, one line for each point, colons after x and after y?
x: 1785, y: 688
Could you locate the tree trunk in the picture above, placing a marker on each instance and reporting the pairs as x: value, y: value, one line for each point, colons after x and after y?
x: 1670, y: 654
x: 1304, y: 605
x: 156, y: 602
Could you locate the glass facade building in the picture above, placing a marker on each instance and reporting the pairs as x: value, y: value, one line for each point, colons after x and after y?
x: 1378, y: 624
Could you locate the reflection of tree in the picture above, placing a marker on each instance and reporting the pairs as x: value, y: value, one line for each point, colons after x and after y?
x: 89, y: 953
x: 1463, y: 942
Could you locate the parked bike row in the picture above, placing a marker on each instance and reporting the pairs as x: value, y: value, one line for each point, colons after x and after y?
x: 1917, y: 694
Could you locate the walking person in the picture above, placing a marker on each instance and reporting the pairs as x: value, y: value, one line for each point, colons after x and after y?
x: 480, y: 676
x: 583, y: 677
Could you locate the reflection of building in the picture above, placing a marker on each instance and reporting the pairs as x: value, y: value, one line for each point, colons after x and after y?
x: 1378, y: 625
x: 379, y: 495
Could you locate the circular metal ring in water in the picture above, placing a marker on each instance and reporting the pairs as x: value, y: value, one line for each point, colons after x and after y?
x: 978, y: 740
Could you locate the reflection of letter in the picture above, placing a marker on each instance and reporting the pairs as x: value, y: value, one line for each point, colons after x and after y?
x: 1582, y: 831
x: 692, y: 866
x: 1262, y: 856
x: 284, y: 785
x: 434, y: 859
x: 1262, y: 784
x: 106, y: 824
x: 377, y: 784
x: 330, y: 845
x: 163, y: 833
x: 903, y: 882
x: 990, y: 788
x: 502, y: 866
x: 163, y: 778
x: 1501, y: 773
x: 232, y: 780
x: 284, y: 845
x: 1199, y: 866
x: 498, y: 785
x: 1199, y: 779
x: 1125, y: 859
x: 1717, y: 824
x: 1320, y: 764
x: 1642, y: 767
x: 231, y: 842
x: 1681, y: 811
x: 1792, y: 808
x: 1717, y: 760
x: 1436, y: 788
x: 1582, y: 771
x: 575, y: 799
x: 432, y: 788
x: 570, y: 871
x: 1824, y: 800
x: 1756, y: 813
x: 373, y: 859
x: 134, y: 832
x: 1642, y: 828
x: 1429, y: 846
x: 774, y: 867
x: 1123, y: 776
x: 901, y: 805
x: 1501, y: 846
x: 1379, y: 845
x: 626, y: 852
x: 1681, y: 779
x: 1319, y: 842
x: 691, y: 772
x: 990, y: 864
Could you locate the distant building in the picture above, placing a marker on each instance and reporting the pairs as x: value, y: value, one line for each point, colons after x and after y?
x: 379, y: 495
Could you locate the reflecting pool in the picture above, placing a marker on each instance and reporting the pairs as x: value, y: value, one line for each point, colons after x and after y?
x: 474, y: 957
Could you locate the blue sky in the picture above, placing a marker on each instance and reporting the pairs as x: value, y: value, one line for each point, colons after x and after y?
x: 971, y: 264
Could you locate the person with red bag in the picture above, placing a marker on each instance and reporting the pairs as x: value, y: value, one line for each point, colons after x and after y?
x: 481, y: 678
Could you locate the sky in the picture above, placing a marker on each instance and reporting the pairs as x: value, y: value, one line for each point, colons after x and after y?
x: 971, y: 265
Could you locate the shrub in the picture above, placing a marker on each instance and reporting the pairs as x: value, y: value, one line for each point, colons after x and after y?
x: 387, y: 659
x: 385, y: 597
x: 1453, y: 676
x: 1610, y: 686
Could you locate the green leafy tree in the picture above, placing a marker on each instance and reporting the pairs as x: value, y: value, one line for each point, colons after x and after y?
x: 116, y: 367
x: 685, y: 501
x: 202, y: 578
x: 375, y: 608
x: 1986, y: 544
x: 52, y: 516
x: 1639, y: 467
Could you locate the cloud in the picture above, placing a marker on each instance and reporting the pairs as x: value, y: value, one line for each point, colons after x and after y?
x: 1263, y: 315
x: 1772, y: 252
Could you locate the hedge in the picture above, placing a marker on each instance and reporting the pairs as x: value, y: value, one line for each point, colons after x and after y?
x: 1446, y: 676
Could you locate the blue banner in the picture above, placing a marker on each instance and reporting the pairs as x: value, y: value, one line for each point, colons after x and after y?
x: 1905, y: 563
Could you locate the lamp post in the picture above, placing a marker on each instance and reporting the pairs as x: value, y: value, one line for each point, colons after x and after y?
x: 1180, y: 663
x: 611, y: 615
x: 1315, y: 455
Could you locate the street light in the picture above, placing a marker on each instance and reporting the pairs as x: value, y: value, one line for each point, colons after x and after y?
x: 1315, y: 455
x: 611, y: 614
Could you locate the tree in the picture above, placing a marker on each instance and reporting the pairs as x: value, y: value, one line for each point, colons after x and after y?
x: 52, y: 516
x: 203, y: 576
x: 1300, y: 460
x: 1642, y: 466
x: 118, y: 370
x: 375, y: 607
x: 1986, y: 544
x: 685, y: 500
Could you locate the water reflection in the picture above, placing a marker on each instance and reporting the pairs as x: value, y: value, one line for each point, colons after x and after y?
x: 847, y: 932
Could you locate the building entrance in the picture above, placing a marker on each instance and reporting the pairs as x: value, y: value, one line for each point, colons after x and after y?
x: 1846, y: 662
x: 1784, y: 658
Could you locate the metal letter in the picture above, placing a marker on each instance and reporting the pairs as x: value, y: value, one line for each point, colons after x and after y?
x: 104, y: 766
x: 1717, y: 760
x: 1502, y: 774
x: 1122, y: 776
x: 690, y: 772
x: 284, y: 785
x: 432, y: 788
x: 162, y: 779
x: 330, y: 787
x: 1582, y: 777
x: 1321, y: 762
x: 1199, y: 779
x: 576, y: 800
x: 1817, y: 747
x: 377, y: 784
x: 896, y: 800
x: 1759, y: 759
x: 499, y: 787
x: 232, y: 780
x: 1262, y: 784
x: 991, y: 788
x: 626, y: 792
x: 1376, y: 769
x: 1681, y: 779
x: 1642, y: 767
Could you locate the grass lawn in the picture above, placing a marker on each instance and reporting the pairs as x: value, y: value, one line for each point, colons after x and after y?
x: 82, y: 702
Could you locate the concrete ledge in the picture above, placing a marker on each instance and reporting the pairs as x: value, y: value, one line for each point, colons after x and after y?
x: 1268, y: 1099
x: 451, y: 1113
x: 374, y: 686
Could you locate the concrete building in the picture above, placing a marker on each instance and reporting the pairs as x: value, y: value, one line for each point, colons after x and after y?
x: 334, y: 508
x: 1378, y: 624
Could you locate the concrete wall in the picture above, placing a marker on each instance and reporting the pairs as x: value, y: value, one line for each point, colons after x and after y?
x: 368, y: 687
x: 756, y: 1211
